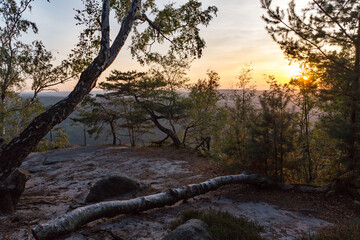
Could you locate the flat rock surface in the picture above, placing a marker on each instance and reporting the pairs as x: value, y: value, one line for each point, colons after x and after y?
x: 64, y: 181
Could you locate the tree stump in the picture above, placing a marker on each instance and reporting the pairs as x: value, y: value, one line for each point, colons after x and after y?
x: 11, y: 190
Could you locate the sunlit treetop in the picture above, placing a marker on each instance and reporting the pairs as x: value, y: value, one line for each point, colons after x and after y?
x: 172, y: 22
x: 325, y: 32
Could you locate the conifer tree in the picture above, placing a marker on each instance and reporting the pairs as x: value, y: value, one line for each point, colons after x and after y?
x: 156, y: 92
x: 240, y: 111
x: 325, y: 37
x: 274, y: 128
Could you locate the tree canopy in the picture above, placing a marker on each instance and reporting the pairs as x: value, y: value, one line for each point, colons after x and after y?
x: 325, y: 39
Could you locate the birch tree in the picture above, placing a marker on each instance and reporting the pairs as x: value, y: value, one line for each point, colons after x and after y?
x: 177, y: 24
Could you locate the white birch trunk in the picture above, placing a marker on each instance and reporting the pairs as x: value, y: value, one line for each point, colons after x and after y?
x: 73, y: 220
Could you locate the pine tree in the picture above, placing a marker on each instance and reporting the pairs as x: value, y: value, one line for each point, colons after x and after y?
x: 325, y: 37
x: 274, y: 128
x: 156, y: 92
x: 304, y: 96
x: 240, y: 111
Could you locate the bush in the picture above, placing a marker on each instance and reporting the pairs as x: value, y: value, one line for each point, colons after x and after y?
x: 59, y: 141
x: 340, y: 232
x: 223, y: 225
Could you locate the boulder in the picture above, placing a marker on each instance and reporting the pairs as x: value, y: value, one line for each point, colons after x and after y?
x: 193, y: 229
x: 114, y: 187
x: 11, y: 189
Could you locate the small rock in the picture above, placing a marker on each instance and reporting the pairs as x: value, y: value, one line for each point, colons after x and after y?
x: 36, y: 169
x: 113, y: 186
x: 193, y: 229
x: 286, y: 187
x: 51, y: 159
x: 307, y: 212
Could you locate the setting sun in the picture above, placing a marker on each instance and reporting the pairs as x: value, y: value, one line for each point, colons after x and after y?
x: 294, y: 70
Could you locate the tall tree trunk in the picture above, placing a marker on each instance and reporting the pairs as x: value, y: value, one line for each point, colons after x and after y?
x: 307, y: 142
x: 51, y: 136
x: 84, y: 129
x: 2, y: 115
x: 174, y: 137
x: 351, y: 148
x: 281, y: 145
x: 133, y: 137
x: 17, y: 150
x: 113, y: 132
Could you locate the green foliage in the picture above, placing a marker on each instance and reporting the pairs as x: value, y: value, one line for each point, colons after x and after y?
x: 97, y: 113
x: 14, y: 121
x: 133, y: 119
x: 304, y: 90
x: 339, y: 232
x: 236, y: 136
x: 223, y: 225
x: 177, y: 24
x: 273, y: 131
x: 204, y: 118
x: 58, y: 140
x: 324, y: 38
x: 155, y: 92
x: 20, y: 62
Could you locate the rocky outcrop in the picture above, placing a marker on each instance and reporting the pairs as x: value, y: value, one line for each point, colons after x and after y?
x: 193, y: 229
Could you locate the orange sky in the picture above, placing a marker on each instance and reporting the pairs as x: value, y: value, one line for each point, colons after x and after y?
x: 236, y: 37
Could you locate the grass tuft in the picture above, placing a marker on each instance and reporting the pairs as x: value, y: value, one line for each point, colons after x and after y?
x: 223, y: 225
x: 339, y: 232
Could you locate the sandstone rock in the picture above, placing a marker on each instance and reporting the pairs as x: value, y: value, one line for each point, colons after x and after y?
x: 113, y: 187
x: 193, y: 229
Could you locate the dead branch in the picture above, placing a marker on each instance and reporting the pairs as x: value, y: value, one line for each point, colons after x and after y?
x: 73, y: 220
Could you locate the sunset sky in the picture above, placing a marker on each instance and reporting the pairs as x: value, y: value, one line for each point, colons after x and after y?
x: 235, y: 38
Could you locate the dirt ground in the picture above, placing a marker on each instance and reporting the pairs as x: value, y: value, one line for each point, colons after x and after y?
x: 61, y: 180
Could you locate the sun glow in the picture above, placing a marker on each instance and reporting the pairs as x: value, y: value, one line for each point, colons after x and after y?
x: 294, y: 70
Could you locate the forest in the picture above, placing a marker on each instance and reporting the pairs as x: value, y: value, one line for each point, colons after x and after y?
x: 296, y: 138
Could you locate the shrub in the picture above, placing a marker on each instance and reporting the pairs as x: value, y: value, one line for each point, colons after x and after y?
x: 222, y: 225
x: 339, y: 232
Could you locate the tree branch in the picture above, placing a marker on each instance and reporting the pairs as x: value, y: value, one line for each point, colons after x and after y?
x: 143, y: 17
x: 126, y: 26
x: 334, y: 20
x: 298, y: 33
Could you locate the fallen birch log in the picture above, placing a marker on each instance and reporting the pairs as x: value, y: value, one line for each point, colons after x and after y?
x: 73, y: 220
